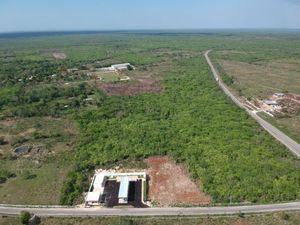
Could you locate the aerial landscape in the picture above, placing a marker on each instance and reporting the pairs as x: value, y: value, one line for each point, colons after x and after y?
x: 154, y: 124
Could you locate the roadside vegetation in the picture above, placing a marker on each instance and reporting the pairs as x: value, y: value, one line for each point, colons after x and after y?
x: 282, y: 218
x: 187, y: 118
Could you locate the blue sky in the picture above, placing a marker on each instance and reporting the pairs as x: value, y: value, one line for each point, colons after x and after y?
x: 54, y: 15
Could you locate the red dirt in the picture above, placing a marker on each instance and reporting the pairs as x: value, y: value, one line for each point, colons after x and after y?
x: 129, y: 89
x: 170, y: 185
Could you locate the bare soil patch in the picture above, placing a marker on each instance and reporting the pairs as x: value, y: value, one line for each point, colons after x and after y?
x: 131, y: 88
x: 7, y: 123
x: 170, y: 185
x: 59, y: 55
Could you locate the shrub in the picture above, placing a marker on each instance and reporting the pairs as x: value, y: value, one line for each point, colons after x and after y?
x: 28, y: 176
x: 24, y: 217
x: 2, y: 141
x: 3, y: 180
x: 285, y: 216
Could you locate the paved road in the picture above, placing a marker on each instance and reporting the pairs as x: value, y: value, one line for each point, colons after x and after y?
x: 82, y: 212
x: 280, y: 136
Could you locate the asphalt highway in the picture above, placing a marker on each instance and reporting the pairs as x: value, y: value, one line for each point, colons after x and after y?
x: 196, y: 211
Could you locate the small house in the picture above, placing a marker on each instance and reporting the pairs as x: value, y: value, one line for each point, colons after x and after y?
x: 270, y: 102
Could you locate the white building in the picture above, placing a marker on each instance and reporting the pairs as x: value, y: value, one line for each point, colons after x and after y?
x: 270, y: 102
x: 124, y: 66
x: 97, y: 188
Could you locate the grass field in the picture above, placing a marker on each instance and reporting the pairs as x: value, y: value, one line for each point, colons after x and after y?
x: 109, y: 77
x: 174, y: 109
x: 256, y: 80
x: 257, y: 73
x: 36, y: 183
x: 39, y: 173
x: 288, y: 218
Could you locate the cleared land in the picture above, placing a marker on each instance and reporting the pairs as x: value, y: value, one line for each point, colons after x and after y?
x: 259, y: 76
x: 144, y: 79
x: 256, y: 80
x: 134, y: 88
x: 59, y: 55
x: 170, y: 185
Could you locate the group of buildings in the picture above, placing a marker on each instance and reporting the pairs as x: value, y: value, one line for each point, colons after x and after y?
x: 112, y: 189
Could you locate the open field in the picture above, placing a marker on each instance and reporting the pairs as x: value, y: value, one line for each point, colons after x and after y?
x: 268, y: 219
x: 256, y: 80
x: 258, y: 74
x: 108, y: 77
x: 171, y: 107
x: 37, y: 173
x: 36, y: 181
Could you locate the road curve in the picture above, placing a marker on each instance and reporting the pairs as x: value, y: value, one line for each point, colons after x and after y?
x: 276, y: 133
x: 198, y: 211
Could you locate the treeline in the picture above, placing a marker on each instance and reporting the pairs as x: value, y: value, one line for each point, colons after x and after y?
x: 193, y: 122
x: 54, y: 100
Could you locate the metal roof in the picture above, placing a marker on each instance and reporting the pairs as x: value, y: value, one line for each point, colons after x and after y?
x: 270, y: 102
x: 93, y: 196
x: 124, y: 187
x: 98, y: 182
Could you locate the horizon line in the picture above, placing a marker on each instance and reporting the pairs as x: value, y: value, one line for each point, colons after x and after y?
x: 148, y: 29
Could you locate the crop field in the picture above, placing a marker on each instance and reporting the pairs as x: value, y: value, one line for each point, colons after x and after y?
x: 171, y: 107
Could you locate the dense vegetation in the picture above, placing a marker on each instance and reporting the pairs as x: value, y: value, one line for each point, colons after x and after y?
x: 50, y: 100
x: 191, y: 119
x: 194, y: 123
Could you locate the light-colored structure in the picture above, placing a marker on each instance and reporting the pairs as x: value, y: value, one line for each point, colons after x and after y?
x: 270, y: 102
x: 123, y: 66
x: 279, y: 95
x: 117, y: 67
x: 123, y: 190
x: 96, y: 194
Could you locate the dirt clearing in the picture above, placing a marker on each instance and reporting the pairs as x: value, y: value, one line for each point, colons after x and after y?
x: 59, y: 55
x: 132, y: 88
x: 170, y: 185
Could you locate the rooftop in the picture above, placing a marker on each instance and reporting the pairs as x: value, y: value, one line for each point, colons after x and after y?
x: 124, y: 187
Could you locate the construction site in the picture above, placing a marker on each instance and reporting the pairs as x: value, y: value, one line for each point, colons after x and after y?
x: 279, y: 104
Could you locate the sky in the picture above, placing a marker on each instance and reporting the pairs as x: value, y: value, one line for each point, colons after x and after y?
x: 72, y: 15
